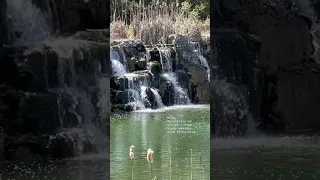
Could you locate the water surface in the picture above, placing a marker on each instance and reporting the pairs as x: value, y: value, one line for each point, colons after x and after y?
x: 89, y: 167
x: 151, y: 129
x: 266, y: 158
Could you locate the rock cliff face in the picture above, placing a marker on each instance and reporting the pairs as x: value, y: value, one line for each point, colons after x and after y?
x: 55, y: 94
x: 265, y: 48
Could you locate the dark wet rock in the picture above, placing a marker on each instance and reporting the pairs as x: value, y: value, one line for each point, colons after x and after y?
x: 70, y: 117
x: 39, y: 113
x: 82, y: 14
x: 297, y: 98
x: 10, y: 106
x: 151, y: 98
x: 140, y: 64
x: 13, y: 72
x: 199, y: 81
x: 155, y: 55
x: 125, y: 96
x: 129, y: 107
x: 62, y: 145
x: 99, y: 35
x: 155, y: 68
x: 70, y: 143
x: 37, y: 62
x: 183, y: 78
x: 25, y: 155
x: 117, y: 108
x: 167, y: 92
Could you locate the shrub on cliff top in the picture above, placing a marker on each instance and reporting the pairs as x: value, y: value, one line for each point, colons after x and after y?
x: 154, y: 23
x: 118, y: 30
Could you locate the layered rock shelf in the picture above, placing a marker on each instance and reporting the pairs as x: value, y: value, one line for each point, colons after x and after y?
x: 54, y: 79
x: 146, y: 76
x: 49, y: 94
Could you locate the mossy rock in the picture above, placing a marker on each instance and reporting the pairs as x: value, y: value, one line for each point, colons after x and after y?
x: 156, y: 63
x: 156, y: 68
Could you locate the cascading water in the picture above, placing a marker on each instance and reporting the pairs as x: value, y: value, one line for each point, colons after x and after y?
x: 202, y: 59
x: 118, y: 69
x: 136, y: 85
x: 28, y: 25
x: 155, y: 76
x: 181, y: 95
x: 81, y: 84
x: 137, y: 91
x: 157, y: 97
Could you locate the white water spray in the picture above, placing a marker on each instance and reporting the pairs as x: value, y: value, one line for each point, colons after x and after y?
x: 181, y: 96
x: 28, y: 25
x: 157, y: 97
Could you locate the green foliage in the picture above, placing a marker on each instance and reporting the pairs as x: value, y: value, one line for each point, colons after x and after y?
x: 199, y: 9
x: 152, y: 22
x: 156, y: 63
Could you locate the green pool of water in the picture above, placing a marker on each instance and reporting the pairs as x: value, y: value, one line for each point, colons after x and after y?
x: 155, y: 130
x: 266, y: 158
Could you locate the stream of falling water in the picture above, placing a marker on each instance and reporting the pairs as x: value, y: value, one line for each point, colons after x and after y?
x: 28, y: 25
x: 137, y: 85
x: 202, y: 59
x: 181, y: 95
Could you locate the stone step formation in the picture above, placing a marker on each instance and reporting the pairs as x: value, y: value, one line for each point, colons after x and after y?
x: 146, y: 76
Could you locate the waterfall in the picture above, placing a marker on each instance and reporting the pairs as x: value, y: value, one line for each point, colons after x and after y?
x: 154, y: 77
x: 181, y: 95
x: 28, y: 25
x: 235, y: 117
x: 86, y: 85
x: 157, y: 97
x: 136, y: 87
x: 204, y: 63
x: 202, y: 59
x: 166, y: 59
x: 118, y: 70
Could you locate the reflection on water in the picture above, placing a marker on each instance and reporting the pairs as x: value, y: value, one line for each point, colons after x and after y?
x: 91, y: 167
x: 148, y: 129
x: 262, y: 158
